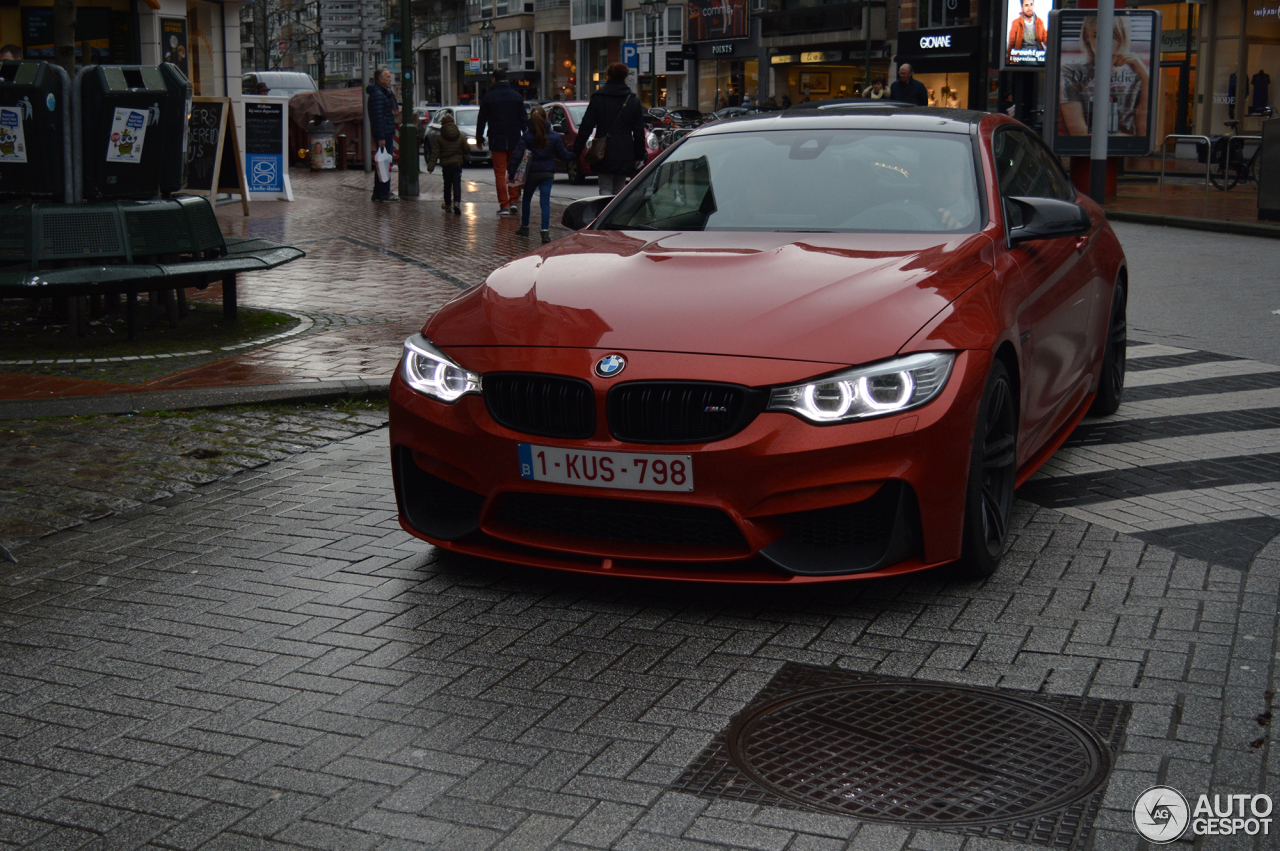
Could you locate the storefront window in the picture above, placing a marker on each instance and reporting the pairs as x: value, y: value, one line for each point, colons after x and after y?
x: 947, y: 89
x: 724, y: 82
x: 564, y: 69
x: 204, y: 23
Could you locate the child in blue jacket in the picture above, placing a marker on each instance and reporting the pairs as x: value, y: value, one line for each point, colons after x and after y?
x: 544, y: 146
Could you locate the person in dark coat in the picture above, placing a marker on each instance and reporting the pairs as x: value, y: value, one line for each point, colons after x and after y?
x: 450, y: 150
x: 383, y: 107
x: 502, y: 113
x: 908, y: 88
x: 545, y: 147
x: 614, y: 110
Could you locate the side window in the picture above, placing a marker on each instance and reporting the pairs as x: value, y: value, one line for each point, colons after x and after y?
x: 556, y: 114
x: 1020, y: 169
x: 1058, y: 180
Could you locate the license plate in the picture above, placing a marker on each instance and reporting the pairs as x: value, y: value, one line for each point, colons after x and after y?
x: 630, y: 471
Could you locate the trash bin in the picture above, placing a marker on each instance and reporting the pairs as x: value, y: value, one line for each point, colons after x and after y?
x: 133, y: 130
x: 35, y: 148
x: 1269, y: 172
x: 320, y: 138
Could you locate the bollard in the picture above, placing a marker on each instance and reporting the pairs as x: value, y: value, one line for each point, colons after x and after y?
x: 342, y: 151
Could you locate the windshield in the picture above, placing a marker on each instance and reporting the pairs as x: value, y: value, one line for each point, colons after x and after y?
x: 808, y: 180
x: 576, y: 111
x: 466, y: 115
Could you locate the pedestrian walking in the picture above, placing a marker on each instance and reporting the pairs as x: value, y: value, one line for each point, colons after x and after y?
x: 615, y: 111
x: 544, y: 146
x: 907, y: 88
x: 450, y: 150
x: 877, y: 90
x: 502, y: 113
x: 383, y: 107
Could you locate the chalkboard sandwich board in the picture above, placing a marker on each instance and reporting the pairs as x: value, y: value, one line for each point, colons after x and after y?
x: 213, y: 151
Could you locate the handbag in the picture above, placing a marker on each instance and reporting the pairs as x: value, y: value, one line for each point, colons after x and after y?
x: 382, y: 162
x: 522, y: 171
x: 599, y: 146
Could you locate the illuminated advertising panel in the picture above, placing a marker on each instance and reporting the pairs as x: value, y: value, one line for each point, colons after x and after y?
x: 1026, y: 33
x: 716, y: 20
x: 1131, y: 117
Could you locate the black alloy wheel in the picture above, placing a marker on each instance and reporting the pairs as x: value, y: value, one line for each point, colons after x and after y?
x: 993, y: 469
x: 1111, y: 384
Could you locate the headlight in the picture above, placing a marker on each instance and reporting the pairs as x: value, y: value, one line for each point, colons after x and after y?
x: 471, y: 140
x: 867, y: 391
x: 427, y: 370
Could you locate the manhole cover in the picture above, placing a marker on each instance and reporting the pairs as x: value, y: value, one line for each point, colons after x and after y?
x: 918, y: 753
x: 982, y: 762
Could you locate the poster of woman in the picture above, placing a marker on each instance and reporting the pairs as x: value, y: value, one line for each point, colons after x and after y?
x: 1072, y: 65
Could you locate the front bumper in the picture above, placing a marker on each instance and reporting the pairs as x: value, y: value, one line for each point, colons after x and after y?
x: 780, y: 501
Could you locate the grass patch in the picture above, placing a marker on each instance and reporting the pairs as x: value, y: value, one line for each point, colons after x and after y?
x: 33, y: 329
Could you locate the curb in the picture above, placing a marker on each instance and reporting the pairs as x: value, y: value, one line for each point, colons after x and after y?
x: 1213, y: 225
x: 177, y: 400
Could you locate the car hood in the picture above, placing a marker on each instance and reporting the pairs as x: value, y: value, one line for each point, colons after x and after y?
x: 848, y: 298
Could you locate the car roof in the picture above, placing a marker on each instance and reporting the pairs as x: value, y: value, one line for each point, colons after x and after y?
x: 935, y: 119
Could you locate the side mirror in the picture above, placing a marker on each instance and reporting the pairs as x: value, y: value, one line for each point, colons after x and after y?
x: 584, y: 211
x: 1043, y: 218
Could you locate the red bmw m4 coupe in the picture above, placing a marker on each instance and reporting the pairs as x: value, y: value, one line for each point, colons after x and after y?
x: 804, y: 346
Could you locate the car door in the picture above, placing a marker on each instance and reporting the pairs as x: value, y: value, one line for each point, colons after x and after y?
x: 1057, y: 288
x: 562, y: 123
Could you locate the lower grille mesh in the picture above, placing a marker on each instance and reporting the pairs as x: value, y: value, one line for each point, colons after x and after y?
x: 620, y: 520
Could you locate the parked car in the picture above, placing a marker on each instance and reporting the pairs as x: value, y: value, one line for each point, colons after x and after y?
x: 466, y: 118
x: 565, y: 116
x: 686, y: 117
x: 280, y: 83
x: 806, y: 346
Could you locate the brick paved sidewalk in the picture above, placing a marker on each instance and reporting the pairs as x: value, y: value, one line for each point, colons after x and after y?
x: 271, y: 663
x: 376, y: 271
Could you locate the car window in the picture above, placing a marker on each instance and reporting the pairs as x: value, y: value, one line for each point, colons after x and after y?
x: 1020, y: 170
x: 808, y: 180
x: 556, y: 115
x: 466, y: 115
x: 1061, y: 185
x: 577, y: 111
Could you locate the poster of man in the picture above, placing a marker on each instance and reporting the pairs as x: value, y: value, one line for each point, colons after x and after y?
x: 1028, y: 36
x: 1072, y: 60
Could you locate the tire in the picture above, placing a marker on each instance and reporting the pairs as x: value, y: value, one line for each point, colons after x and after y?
x: 574, y: 168
x: 993, y: 467
x: 1111, y: 383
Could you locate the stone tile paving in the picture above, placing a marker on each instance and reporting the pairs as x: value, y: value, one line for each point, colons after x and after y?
x: 56, y: 474
x: 270, y: 662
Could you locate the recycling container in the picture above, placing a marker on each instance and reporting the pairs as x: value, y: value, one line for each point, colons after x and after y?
x: 133, y: 133
x: 34, y: 145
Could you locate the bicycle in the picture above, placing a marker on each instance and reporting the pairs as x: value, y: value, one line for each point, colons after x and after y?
x: 1233, y: 167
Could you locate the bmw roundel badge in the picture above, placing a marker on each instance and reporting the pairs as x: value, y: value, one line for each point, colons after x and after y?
x: 610, y: 365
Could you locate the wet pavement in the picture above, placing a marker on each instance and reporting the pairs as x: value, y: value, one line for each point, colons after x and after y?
x: 234, y: 645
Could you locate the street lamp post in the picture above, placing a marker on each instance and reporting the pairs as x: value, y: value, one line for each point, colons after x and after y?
x: 408, y: 130
x: 486, y: 32
x: 653, y: 10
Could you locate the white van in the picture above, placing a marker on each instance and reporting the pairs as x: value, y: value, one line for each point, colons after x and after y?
x: 281, y: 83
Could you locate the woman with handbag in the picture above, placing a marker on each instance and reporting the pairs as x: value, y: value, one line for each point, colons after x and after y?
x: 536, y: 154
x: 615, y: 112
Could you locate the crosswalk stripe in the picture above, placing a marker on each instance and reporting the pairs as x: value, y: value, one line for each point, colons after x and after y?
x: 1177, y: 509
x: 1081, y: 460
x: 1155, y: 350
x: 1242, y: 400
x: 1198, y: 372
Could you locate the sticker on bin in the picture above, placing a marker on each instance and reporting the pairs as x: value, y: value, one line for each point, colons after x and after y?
x: 128, y: 131
x: 626, y: 470
x: 13, y: 147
